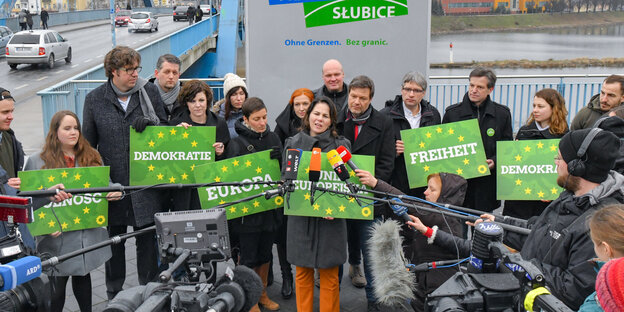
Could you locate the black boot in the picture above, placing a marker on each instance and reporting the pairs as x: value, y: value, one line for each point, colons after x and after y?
x: 287, y: 284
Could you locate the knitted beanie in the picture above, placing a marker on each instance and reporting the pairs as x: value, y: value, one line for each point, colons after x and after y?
x: 610, y: 286
x: 231, y: 81
x: 600, y: 156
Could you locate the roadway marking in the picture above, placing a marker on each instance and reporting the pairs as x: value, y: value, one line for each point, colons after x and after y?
x: 44, y: 77
x: 60, y: 71
x: 73, y: 66
x: 24, y: 85
x: 100, y: 55
x: 87, y: 61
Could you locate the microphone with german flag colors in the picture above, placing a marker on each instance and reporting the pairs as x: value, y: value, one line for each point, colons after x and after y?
x: 339, y: 167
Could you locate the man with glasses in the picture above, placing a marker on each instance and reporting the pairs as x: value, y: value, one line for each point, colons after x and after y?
x: 495, y: 124
x: 110, y: 110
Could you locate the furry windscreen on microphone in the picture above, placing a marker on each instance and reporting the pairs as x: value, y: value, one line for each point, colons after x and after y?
x: 392, y: 282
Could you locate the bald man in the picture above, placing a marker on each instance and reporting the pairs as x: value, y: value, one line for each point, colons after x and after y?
x: 334, y: 86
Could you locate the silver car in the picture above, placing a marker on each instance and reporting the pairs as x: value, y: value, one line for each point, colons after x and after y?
x: 5, y: 36
x: 41, y: 46
x: 143, y: 21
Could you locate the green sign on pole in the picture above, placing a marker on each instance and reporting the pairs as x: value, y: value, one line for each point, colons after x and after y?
x: 321, y: 13
x: 169, y: 154
x: 526, y: 170
x: 247, y: 168
x: 453, y: 147
x: 329, y: 204
x: 81, y: 211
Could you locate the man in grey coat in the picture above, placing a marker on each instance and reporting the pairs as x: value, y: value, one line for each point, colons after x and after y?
x: 125, y: 100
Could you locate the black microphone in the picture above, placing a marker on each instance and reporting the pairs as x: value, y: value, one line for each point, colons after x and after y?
x: 341, y: 171
x: 314, y: 173
x: 291, y: 167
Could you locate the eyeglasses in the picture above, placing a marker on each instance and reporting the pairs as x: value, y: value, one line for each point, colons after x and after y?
x: 131, y: 71
x: 410, y: 90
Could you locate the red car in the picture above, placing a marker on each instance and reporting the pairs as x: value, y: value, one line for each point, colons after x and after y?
x: 122, y: 18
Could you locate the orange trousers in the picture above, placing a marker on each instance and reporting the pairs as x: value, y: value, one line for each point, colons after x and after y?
x: 330, y: 289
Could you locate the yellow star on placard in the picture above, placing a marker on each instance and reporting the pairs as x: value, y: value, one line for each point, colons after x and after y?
x: 184, y: 176
x: 64, y: 225
x: 428, y: 135
x: 233, y: 209
x: 426, y: 168
x: 459, y: 171
x: 540, y: 194
x: 161, y: 135
x: 76, y: 220
x: 439, y: 130
x: 451, y: 131
x: 160, y: 176
x: 217, y: 179
x: 51, y: 223
x: 172, y: 180
x: 151, y: 143
x: 307, y: 170
x: 151, y: 167
x: 553, y: 147
x: 341, y: 208
x: 316, y: 206
x: 258, y: 170
x: 352, y: 173
x: 518, y: 182
x: 172, y: 131
x: 51, y: 179
x: 194, y: 143
x: 222, y: 202
x: 328, y: 211
x: 245, y: 210
x: 86, y: 210
x: 466, y: 161
x: 86, y: 185
x: 553, y: 190
x: 64, y: 174
x: 224, y: 168
x: 185, y: 135
x: 235, y: 163
x: 41, y: 215
x: 77, y: 176
x: 256, y: 204
x: 248, y: 163
x: 306, y: 196
x: 422, y: 144
x: 540, y: 144
x: 527, y: 191
x: 460, y: 138
x: 40, y: 188
x: 193, y: 167
x: 527, y: 148
x: 352, y: 199
x: 518, y: 157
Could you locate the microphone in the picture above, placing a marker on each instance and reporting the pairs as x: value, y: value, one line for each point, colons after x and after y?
x: 248, y: 280
x: 401, y: 211
x: 345, y: 155
x: 340, y: 169
x: 19, y: 272
x: 315, y: 171
x: 291, y: 168
x: 394, y: 284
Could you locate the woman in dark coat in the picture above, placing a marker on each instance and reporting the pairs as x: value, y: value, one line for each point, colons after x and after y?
x: 547, y: 121
x: 256, y: 232
x: 312, y: 242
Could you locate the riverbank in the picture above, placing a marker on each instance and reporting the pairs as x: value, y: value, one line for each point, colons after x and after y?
x: 572, y: 63
x: 521, y: 22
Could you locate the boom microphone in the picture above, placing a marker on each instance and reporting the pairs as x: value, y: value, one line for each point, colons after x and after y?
x: 314, y: 174
x: 340, y: 169
x: 393, y: 283
x: 248, y: 280
x: 19, y: 272
x: 345, y: 155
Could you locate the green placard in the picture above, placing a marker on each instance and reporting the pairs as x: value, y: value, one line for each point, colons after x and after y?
x: 169, y: 154
x: 526, y: 170
x: 329, y: 205
x: 82, y: 211
x: 453, y: 147
x: 247, y: 168
x: 321, y: 13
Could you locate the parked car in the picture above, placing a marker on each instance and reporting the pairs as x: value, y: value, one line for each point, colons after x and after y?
x: 179, y: 13
x: 205, y: 8
x: 143, y: 21
x: 122, y: 18
x: 5, y: 36
x: 42, y: 46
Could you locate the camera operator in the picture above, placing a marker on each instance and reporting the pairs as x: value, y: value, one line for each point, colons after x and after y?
x: 559, y: 243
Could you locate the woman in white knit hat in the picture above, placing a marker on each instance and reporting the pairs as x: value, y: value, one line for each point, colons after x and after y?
x: 229, y: 108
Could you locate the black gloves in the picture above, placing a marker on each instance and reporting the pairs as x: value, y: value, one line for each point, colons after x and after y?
x: 140, y: 123
x: 275, y: 153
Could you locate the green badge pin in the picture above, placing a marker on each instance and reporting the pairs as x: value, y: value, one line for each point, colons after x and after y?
x: 490, y: 132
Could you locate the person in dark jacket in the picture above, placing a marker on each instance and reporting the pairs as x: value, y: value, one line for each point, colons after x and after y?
x: 614, y: 124
x: 190, y: 14
x: 333, y: 84
x: 109, y: 110
x: 230, y: 107
x: 611, y: 96
x: 198, y: 14
x: 547, y: 121
x: 29, y: 19
x: 289, y: 121
x: 257, y: 232
x: 167, y: 80
x: 495, y: 124
x: 559, y: 243
x: 409, y: 110
x: 370, y: 133
x: 22, y: 19
x: 443, y: 188
x: 44, y: 18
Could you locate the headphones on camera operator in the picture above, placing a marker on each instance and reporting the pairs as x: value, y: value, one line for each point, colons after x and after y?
x: 577, y: 167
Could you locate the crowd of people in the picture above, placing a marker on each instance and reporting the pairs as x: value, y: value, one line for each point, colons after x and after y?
x: 338, y: 114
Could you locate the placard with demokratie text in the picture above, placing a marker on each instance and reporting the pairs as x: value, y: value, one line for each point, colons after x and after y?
x: 81, y: 211
x: 169, y: 154
x: 453, y: 147
x: 526, y: 170
x: 329, y: 204
x: 253, y: 167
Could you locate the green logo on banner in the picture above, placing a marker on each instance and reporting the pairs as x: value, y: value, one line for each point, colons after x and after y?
x: 247, y: 168
x: 525, y: 170
x: 82, y: 211
x: 169, y: 154
x: 321, y: 13
x: 454, y: 148
x: 329, y: 204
